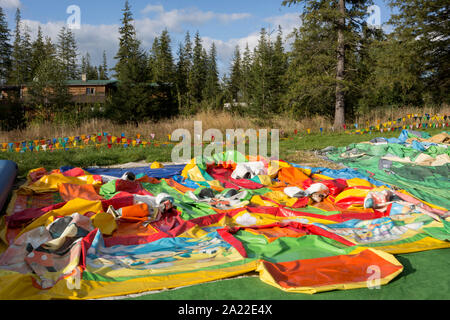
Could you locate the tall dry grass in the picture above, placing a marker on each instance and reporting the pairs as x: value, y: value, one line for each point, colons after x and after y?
x: 210, y: 119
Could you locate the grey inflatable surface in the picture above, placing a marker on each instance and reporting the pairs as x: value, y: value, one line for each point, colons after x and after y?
x: 8, y: 172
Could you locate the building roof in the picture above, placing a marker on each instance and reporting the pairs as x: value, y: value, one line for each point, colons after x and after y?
x: 90, y: 82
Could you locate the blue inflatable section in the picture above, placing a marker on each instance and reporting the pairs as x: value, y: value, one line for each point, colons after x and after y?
x: 8, y: 173
x: 164, y: 173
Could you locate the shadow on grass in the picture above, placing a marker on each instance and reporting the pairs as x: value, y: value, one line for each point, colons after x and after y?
x: 407, y: 267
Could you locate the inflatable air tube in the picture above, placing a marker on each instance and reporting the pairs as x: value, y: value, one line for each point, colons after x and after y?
x: 8, y: 172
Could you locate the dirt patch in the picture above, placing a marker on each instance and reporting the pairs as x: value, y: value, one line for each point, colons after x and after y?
x: 139, y: 164
x: 311, y: 159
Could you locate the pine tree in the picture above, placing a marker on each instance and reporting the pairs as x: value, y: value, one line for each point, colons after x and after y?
x: 181, y: 75
x: 27, y: 55
x: 83, y: 67
x: 262, y: 81
x: 235, y: 81
x: 183, y: 70
x: 5, y: 49
x: 88, y: 69
x: 212, y: 87
x: 246, y: 74
x: 392, y: 75
x: 39, y: 53
x: 136, y: 99
x: 163, y: 64
x: 311, y: 72
x: 188, y: 51
x: 424, y: 25
x: 103, y: 69
x: 67, y: 52
x: 16, y: 76
x: 152, y: 60
x: 22, y: 53
x: 343, y: 19
x: 50, y: 48
x: 131, y: 60
x: 48, y: 91
x: 278, y: 72
x: 197, y: 75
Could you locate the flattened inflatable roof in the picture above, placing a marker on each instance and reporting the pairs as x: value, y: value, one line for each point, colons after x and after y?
x: 85, y: 234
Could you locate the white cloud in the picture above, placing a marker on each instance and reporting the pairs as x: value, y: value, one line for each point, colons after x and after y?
x: 90, y: 38
x: 288, y: 21
x: 97, y: 38
x: 10, y: 4
x: 225, y: 49
x: 174, y: 19
x: 152, y: 8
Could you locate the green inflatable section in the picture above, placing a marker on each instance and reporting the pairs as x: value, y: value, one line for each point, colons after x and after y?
x: 428, y: 183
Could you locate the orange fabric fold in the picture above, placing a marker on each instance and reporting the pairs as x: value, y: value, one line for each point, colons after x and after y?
x: 329, y: 270
x: 72, y: 191
x: 292, y: 176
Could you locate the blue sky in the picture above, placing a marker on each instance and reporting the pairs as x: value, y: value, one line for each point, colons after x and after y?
x: 226, y: 23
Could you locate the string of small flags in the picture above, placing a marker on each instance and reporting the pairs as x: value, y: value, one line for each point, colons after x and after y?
x: 410, y: 121
x: 100, y: 140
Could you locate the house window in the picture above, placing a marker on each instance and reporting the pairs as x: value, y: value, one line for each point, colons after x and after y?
x: 90, y: 91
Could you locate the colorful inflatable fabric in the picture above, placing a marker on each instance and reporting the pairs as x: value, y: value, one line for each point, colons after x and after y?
x: 74, y: 233
x: 415, y: 162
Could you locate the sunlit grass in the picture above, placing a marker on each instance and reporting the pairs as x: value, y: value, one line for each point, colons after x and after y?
x: 295, y: 148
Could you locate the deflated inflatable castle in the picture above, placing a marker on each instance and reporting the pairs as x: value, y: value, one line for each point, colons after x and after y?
x: 77, y: 233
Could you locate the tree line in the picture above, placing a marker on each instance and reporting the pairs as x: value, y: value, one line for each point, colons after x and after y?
x: 336, y: 65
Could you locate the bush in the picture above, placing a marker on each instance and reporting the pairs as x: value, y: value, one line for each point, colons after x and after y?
x: 12, y: 115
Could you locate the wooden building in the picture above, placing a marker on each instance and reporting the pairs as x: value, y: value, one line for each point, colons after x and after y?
x: 91, y: 91
x: 82, y: 91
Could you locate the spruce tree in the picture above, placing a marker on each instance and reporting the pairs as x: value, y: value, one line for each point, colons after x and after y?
x: 262, y: 81
x: 197, y: 75
x: 183, y: 68
x: 131, y: 60
x: 181, y: 78
x: 343, y: 19
x: 27, y: 55
x: 39, y: 53
x: 212, y: 87
x: 50, y: 48
x: 246, y: 74
x: 88, y: 69
x: 22, y: 53
x: 103, y: 69
x: 16, y: 76
x: 67, y: 53
x: 83, y: 67
x: 235, y: 81
x: 393, y: 75
x: 311, y: 72
x: 5, y: 48
x: 163, y: 64
x: 278, y: 72
x: 424, y: 26
x: 51, y: 74
x: 136, y: 99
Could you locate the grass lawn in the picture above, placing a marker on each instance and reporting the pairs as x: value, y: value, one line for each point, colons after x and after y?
x: 424, y: 277
x: 293, y: 149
